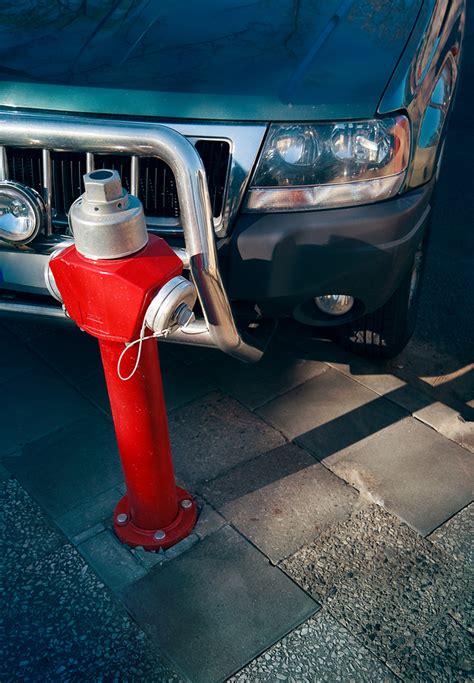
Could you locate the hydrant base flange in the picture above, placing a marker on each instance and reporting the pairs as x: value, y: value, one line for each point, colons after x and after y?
x: 155, y: 539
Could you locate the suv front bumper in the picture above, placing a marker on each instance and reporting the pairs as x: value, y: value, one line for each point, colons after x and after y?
x: 281, y: 261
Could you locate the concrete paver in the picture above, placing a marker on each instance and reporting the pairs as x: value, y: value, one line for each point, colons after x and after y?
x: 94, y: 511
x: 281, y: 500
x: 253, y: 385
x: 95, y: 389
x: 70, y: 466
x: 447, y: 422
x: 410, y: 469
x: 221, y: 434
x: 38, y: 403
x: 330, y: 412
x: 208, y: 522
x: 111, y: 560
x: 216, y: 607
x: 181, y: 384
x: 74, y: 354
x: 15, y: 356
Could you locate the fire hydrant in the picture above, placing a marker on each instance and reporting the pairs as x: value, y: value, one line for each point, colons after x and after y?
x: 114, y: 282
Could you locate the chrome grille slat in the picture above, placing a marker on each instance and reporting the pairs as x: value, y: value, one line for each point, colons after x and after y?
x: 48, y: 189
x: 135, y: 171
x: 3, y: 164
x: 89, y: 162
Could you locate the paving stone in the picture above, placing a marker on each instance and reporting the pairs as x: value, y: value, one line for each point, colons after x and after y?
x: 184, y: 384
x: 181, y: 386
x: 181, y: 547
x: 95, y: 389
x: 216, y: 607
x: 449, y: 423
x: 88, y: 533
x: 382, y: 581
x: 319, y: 650
x: 409, y: 388
x: 25, y: 534
x: 375, y: 377
x: 71, y: 352
x: 215, y: 433
x: 112, y: 560
x: 30, y: 327
x: 386, y: 384
x: 15, y: 356
x: 200, y: 356
x: 410, y: 469
x: 69, y: 467
x: 97, y: 509
x: 330, y: 412
x: 281, y: 500
x: 38, y: 403
x: 456, y: 536
x: 148, y: 558
x: 4, y: 474
x: 256, y: 384
x: 62, y: 624
x: 209, y: 521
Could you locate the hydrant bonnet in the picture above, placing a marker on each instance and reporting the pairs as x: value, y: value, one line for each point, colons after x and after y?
x: 106, y: 221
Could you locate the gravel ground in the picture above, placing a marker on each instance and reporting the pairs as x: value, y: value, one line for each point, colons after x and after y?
x: 59, y: 622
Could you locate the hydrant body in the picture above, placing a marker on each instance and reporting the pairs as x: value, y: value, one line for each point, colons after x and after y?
x: 108, y: 298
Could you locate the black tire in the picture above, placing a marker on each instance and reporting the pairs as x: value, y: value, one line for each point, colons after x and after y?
x: 385, y: 332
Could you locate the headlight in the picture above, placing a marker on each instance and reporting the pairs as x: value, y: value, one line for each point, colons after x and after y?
x: 22, y: 212
x: 324, y: 166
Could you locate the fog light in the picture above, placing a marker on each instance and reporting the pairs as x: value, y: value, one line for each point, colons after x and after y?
x: 334, y: 304
x: 22, y: 212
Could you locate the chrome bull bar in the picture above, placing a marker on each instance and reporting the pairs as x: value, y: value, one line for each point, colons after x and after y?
x: 218, y: 328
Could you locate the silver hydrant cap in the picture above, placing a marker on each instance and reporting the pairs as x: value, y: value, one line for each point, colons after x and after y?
x: 107, y: 222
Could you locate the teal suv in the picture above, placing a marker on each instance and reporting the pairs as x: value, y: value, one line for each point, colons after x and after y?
x: 318, y: 126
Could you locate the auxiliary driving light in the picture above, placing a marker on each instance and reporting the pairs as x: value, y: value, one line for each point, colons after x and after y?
x: 334, y: 304
x: 22, y: 212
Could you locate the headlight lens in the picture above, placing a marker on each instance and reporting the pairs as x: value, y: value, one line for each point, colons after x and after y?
x: 22, y: 212
x: 329, y: 165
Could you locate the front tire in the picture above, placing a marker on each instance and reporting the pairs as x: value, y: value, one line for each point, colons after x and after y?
x: 385, y: 332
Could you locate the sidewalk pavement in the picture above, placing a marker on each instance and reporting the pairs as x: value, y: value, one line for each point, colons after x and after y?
x: 332, y: 544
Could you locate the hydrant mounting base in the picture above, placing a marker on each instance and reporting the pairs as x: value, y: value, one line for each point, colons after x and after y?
x: 156, y: 539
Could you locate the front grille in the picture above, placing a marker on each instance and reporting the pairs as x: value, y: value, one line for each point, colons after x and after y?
x: 67, y: 169
x: 155, y: 180
x: 26, y: 166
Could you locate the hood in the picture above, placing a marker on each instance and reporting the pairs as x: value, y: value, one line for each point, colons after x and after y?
x: 254, y: 60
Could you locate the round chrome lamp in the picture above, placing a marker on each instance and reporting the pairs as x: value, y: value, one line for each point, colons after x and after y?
x: 22, y: 212
x: 334, y: 304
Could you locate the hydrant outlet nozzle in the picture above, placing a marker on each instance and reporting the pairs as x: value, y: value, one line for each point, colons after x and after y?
x: 172, y: 306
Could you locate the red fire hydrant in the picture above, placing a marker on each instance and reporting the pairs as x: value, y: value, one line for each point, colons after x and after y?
x: 114, y: 277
